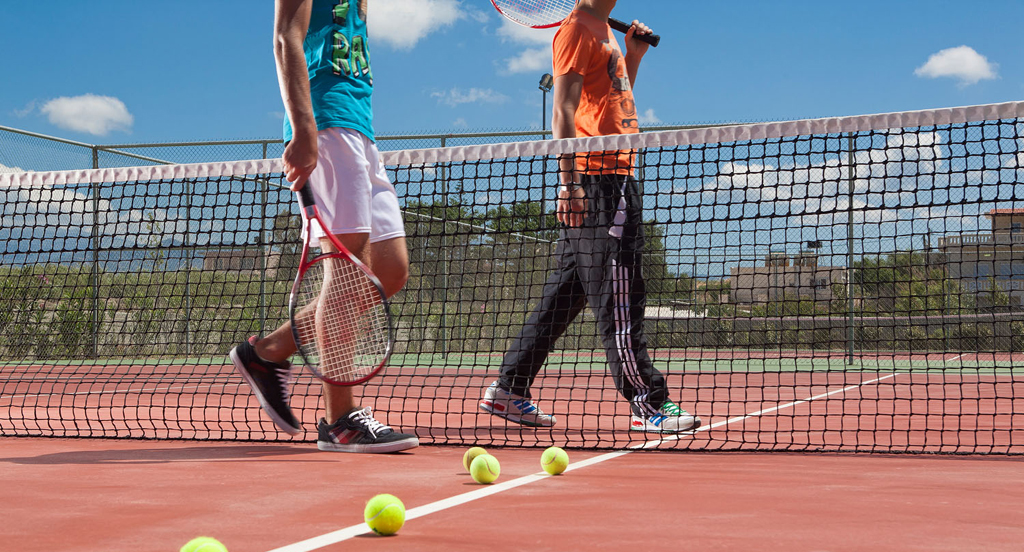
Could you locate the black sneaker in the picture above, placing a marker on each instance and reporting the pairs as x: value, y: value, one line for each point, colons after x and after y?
x: 358, y: 431
x: 270, y: 382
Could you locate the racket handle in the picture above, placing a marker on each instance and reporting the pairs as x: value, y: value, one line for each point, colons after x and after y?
x: 623, y: 27
x: 306, y: 197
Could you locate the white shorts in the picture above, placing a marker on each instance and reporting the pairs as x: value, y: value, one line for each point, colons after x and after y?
x: 351, y: 188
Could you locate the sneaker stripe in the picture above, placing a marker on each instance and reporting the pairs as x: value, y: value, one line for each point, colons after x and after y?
x: 525, y: 407
x: 343, y: 435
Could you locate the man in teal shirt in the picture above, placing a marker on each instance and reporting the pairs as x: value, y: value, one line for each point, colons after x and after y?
x: 323, y: 68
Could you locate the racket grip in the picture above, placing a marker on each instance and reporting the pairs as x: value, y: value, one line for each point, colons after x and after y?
x: 623, y: 27
x: 306, y: 197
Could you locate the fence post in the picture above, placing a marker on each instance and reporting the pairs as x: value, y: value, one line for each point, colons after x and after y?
x: 264, y: 249
x: 189, y: 253
x: 443, y: 257
x: 850, y: 183
x: 95, y: 258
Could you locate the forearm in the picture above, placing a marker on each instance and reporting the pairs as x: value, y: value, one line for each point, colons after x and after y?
x: 568, y: 91
x: 563, y: 125
x: 632, y: 66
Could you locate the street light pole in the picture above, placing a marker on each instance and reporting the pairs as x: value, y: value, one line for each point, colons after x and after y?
x: 545, y: 85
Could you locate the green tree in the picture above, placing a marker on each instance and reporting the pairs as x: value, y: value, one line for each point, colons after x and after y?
x: 523, y: 218
x: 663, y: 285
x: 908, y: 283
x: 287, y: 239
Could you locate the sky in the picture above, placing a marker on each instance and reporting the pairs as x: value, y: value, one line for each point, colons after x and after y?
x: 125, y: 71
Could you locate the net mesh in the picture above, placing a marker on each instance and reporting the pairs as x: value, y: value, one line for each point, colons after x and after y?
x: 848, y: 284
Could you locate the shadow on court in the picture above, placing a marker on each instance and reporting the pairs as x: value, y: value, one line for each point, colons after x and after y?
x: 167, y: 455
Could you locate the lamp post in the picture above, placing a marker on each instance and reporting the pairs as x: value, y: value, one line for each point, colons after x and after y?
x: 546, y: 82
x: 545, y: 85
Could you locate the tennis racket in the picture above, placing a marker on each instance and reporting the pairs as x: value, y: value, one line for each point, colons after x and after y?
x: 542, y: 14
x: 340, y: 317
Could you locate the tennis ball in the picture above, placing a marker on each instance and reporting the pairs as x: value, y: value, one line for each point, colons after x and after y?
x: 467, y: 459
x: 385, y: 514
x: 485, y: 469
x: 554, y: 460
x: 203, y: 544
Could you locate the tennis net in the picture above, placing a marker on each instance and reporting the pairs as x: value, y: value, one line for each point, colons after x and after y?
x: 842, y: 284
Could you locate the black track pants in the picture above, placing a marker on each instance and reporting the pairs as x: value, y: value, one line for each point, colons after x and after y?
x: 599, y: 266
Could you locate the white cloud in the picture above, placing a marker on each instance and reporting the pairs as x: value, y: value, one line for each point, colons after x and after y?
x: 460, y: 123
x: 529, y: 60
x: 456, y: 97
x: 888, y: 179
x: 537, y: 55
x: 403, y: 23
x: 649, y: 118
x: 962, y: 63
x: 6, y: 169
x: 519, y: 34
x: 97, y: 115
x: 29, y: 108
x: 66, y: 210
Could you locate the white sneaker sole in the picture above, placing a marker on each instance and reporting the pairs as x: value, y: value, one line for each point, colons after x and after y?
x: 375, y: 448
x: 648, y: 427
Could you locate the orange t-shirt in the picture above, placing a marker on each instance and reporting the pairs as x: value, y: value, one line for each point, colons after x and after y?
x: 586, y: 46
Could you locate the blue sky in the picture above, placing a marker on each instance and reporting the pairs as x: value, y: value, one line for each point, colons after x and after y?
x: 108, y: 71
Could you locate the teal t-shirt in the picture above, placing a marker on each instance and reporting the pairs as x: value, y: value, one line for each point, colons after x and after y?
x: 338, y: 59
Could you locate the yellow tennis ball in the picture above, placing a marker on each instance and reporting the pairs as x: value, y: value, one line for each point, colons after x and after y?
x: 467, y: 459
x: 385, y: 514
x: 554, y: 460
x: 485, y: 469
x: 203, y: 544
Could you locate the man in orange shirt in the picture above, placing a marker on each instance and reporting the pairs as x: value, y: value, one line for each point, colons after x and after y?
x: 599, y: 249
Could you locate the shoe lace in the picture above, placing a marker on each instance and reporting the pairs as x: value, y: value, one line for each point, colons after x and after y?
x: 365, y: 419
x: 671, y: 409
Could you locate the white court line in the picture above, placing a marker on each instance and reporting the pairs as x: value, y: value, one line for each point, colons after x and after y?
x: 361, y: 528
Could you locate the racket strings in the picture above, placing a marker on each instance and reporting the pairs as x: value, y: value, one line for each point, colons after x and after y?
x: 341, y: 321
x: 535, y: 13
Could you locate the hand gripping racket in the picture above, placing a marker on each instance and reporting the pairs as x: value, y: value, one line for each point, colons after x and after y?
x: 542, y: 14
x: 340, y: 317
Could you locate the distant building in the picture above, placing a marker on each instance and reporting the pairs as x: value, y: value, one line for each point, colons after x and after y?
x: 982, y: 259
x: 783, y: 276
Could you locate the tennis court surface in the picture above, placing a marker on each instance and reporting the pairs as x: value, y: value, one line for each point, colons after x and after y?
x: 837, y: 299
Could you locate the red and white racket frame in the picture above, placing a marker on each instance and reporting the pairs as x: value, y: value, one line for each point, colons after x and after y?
x: 310, y: 213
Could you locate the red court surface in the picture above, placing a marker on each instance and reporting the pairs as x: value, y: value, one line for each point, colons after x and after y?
x: 93, y: 495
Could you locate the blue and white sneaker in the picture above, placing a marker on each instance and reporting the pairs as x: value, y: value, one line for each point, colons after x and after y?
x: 514, y: 408
x: 669, y: 419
